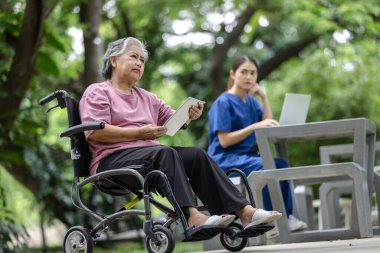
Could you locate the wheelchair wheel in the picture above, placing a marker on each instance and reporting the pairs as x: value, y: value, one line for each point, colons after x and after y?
x: 166, y: 241
x: 229, y: 241
x: 77, y: 239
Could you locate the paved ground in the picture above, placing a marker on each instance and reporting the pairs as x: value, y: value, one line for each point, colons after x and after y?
x: 368, y: 245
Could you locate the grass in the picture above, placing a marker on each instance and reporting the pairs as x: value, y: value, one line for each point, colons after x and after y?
x: 181, y: 247
x: 130, y: 247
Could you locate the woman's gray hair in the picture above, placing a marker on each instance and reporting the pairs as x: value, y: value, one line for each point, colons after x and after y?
x: 117, y: 48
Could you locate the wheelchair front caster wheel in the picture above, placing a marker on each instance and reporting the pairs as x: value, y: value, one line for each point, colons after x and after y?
x: 164, y: 241
x: 229, y: 241
x: 77, y: 239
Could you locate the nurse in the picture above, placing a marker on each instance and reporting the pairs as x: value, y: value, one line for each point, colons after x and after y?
x: 233, y: 119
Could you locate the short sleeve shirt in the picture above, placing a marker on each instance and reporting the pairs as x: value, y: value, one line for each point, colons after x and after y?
x: 230, y: 113
x: 102, y: 102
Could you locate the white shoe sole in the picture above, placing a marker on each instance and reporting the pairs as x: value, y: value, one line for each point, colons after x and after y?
x: 263, y: 216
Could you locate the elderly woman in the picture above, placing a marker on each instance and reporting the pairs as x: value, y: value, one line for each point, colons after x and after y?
x: 133, y: 120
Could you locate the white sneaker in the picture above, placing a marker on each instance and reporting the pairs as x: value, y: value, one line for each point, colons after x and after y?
x: 296, y: 224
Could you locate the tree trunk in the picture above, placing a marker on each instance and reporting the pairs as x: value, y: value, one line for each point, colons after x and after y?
x: 284, y: 55
x: 219, y: 53
x: 13, y: 90
x: 90, y: 16
x: 26, y: 47
x: 17, y: 83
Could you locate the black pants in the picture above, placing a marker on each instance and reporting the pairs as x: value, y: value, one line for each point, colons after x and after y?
x: 184, y: 167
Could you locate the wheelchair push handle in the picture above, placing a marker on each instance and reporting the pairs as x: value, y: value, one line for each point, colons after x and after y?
x: 47, y: 99
x: 59, y: 95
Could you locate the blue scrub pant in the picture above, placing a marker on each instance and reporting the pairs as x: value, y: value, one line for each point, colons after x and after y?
x: 285, y: 187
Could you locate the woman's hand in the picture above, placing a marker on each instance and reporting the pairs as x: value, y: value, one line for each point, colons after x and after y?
x: 151, y: 132
x: 256, y: 90
x: 196, y: 111
x: 264, y: 123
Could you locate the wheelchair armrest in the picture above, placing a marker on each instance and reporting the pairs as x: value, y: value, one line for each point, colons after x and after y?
x: 82, y: 127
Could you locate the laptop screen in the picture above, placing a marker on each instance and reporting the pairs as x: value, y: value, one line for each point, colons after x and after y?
x: 295, y: 109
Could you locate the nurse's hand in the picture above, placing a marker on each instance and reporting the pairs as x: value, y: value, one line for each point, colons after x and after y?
x: 266, y: 123
x: 256, y: 89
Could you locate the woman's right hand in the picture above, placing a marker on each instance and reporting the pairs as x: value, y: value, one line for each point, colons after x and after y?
x: 151, y: 132
x: 265, y: 122
x: 256, y: 89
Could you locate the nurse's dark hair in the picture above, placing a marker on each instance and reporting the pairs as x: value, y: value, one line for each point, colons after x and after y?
x: 236, y: 64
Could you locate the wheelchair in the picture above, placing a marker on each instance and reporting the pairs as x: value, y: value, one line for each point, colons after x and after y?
x: 128, y: 180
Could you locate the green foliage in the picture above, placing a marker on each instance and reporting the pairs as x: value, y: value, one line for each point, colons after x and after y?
x: 341, y: 80
x: 13, y: 234
x: 19, y: 201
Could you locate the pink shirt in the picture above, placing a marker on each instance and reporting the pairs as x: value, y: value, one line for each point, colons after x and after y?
x: 102, y: 102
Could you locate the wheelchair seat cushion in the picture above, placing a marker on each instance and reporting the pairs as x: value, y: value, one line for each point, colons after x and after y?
x: 122, y: 184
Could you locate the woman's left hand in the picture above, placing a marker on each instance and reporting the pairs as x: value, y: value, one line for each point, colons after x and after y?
x: 196, y: 111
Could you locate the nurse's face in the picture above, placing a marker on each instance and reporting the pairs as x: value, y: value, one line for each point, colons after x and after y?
x: 245, y: 76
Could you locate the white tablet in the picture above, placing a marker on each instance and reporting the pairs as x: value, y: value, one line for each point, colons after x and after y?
x: 176, y: 121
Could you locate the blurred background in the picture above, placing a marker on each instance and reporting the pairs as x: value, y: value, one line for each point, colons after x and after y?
x: 327, y: 48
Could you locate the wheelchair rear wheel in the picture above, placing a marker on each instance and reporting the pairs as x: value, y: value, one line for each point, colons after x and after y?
x: 229, y: 241
x: 165, y: 243
x: 77, y: 239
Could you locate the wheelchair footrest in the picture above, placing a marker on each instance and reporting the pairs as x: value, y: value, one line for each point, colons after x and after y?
x: 202, y: 233
x: 254, y: 230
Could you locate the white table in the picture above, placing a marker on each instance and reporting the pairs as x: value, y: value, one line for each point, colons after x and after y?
x: 330, y: 192
x: 363, y: 132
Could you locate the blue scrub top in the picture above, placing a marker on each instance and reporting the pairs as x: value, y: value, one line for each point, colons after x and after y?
x: 229, y: 113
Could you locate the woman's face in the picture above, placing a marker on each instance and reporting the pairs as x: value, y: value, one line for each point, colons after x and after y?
x: 129, y: 67
x: 245, y: 76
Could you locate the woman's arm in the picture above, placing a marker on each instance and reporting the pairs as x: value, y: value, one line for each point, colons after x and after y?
x: 257, y: 90
x: 113, y: 134
x: 266, y: 107
x: 228, y: 139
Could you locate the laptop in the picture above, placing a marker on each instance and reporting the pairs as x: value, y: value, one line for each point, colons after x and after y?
x: 295, y: 109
